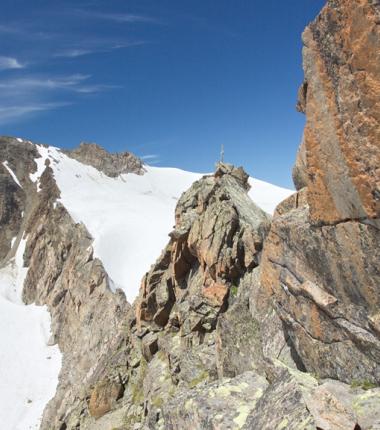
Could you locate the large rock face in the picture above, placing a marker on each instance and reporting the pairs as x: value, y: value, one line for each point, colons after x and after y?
x: 192, y: 305
x: 340, y: 97
x: 322, y: 258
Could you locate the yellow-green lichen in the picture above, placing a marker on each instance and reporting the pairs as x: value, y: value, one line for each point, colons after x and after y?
x: 137, y: 387
x: 283, y: 424
x: 307, y: 424
x: 157, y: 402
x: 243, y: 412
x: 364, y: 384
x: 226, y: 390
x: 198, y: 379
x: 366, y: 401
x: 189, y: 404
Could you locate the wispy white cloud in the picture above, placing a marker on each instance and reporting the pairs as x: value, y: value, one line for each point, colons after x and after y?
x: 26, y: 31
x: 74, y: 52
x: 9, y: 29
x: 91, y: 89
x: 25, y: 85
x: 115, y: 17
x: 7, y: 63
x: 24, y: 96
x: 12, y: 113
x: 149, y: 157
x: 79, y: 52
x: 38, y: 88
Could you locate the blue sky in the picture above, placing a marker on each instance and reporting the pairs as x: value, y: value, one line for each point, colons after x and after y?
x: 170, y: 80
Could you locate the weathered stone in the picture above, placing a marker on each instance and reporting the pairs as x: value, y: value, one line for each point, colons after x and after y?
x: 224, y: 404
x: 342, y: 133
x: 238, y: 342
x: 296, y: 400
x: 149, y: 346
x: 103, y: 396
x: 325, y: 292
x: 282, y: 406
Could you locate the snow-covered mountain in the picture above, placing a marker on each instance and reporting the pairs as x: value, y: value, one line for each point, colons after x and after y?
x: 129, y: 217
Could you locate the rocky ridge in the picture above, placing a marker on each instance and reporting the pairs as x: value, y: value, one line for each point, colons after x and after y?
x: 63, y: 274
x: 111, y: 164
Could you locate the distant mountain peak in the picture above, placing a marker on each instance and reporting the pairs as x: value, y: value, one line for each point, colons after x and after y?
x: 111, y: 164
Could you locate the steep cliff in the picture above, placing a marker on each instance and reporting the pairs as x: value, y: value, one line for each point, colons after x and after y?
x: 322, y: 258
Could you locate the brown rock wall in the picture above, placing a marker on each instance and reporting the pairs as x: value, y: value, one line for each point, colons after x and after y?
x: 321, y: 262
x: 342, y: 106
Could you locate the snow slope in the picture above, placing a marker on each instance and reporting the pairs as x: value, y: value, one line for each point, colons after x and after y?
x: 29, y: 368
x: 130, y: 216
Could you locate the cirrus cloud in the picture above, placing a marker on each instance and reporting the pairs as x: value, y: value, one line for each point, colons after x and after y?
x: 7, y: 63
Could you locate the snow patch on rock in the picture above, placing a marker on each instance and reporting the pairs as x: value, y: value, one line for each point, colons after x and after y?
x: 14, y: 177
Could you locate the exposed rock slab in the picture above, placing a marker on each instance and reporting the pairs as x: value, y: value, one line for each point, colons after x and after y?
x: 224, y: 404
x: 340, y: 97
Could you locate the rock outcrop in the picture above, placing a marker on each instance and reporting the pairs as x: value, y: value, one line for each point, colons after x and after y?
x: 182, y: 328
x: 321, y: 263
x: 111, y: 164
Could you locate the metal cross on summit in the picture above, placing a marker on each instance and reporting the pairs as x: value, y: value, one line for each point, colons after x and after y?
x: 222, y: 154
